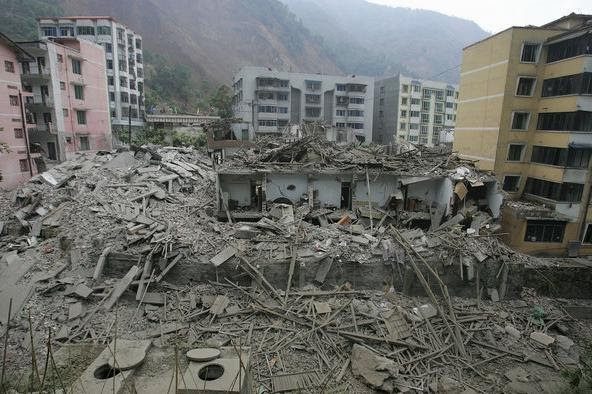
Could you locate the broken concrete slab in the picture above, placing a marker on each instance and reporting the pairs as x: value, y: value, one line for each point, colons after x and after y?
x: 225, y: 255
x: 75, y: 311
x: 128, y: 354
x: 542, y: 338
x: 365, y: 364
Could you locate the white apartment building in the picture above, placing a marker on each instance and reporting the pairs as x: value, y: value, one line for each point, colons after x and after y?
x: 123, y: 58
x: 414, y: 110
x: 269, y: 101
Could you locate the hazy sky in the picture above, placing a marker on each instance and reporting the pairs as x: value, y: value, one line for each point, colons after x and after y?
x: 497, y: 15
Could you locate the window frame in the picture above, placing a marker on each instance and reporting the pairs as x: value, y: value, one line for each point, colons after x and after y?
x: 522, y: 152
x: 519, y: 176
x: 513, y: 117
x: 78, y: 117
x: 532, y: 89
x: 538, y: 52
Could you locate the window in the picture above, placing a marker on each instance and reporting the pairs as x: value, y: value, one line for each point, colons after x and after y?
x: 530, y: 53
x: 46, y: 117
x: 520, y: 120
x: 415, y: 101
x: 425, y: 106
x: 341, y: 88
x: 569, y: 84
x: 108, y: 47
x: 282, y: 110
x: 109, y: 64
x: 14, y: 101
x: 123, y: 82
x: 312, y: 112
x: 84, y: 143
x: 81, y: 117
x: 65, y: 112
x: 425, y: 118
x: 313, y: 85
x: 439, y: 107
x: 8, y: 66
x: 79, y: 92
x: 24, y: 165
x: 588, y: 235
x: 270, y: 109
x: 578, y: 157
x: 139, y: 58
x: 403, y: 126
x: 403, y: 113
x: 413, y: 126
x: 423, y: 129
x: 381, y: 101
x: 515, y: 152
x: 355, y: 112
x: 416, y: 88
x: 449, y: 117
x: 104, y: 30
x: 132, y: 84
x: 124, y: 97
x: 414, y: 114
x: 18, y: 133
x: 112, y: 96
x: 62, y: 85
x: 511, y: 183
x: 449, y: 104
x: 340, y: 125
x: 340, y: 112
x: 268, y: 122
x: 282, y: 96
x: 449, y: 93
x: 565, y: 121
x: 76, y: 66
x: 405, y: 88
x: 438, y: 118
x: 312, y: 98
x: 85, y: 30
x: 525, y: 86
x: 49, y: 31
x: 413, y: 138
x: 404, y: 101
x: 548, y: 155
x: 110, y: 81
x: 544, y: 231
x: 67, y: 31
x: 138, y: 43
x: 577, y: 46
x: 356, y: 100
x: 342, y: 101
x: 355, y: 125
x: 565, y: 192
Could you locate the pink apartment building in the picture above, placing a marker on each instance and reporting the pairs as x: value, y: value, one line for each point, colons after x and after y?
x: 68, y: 106
x: 16, y: 165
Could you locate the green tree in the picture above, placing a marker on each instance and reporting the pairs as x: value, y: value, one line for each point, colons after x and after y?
x: 222, y: 102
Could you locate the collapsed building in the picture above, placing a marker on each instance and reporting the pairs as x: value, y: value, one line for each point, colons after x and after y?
x: 293, y: 266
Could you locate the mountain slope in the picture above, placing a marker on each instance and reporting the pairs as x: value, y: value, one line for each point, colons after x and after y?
x: 215, y: 38
x: 378, y: 40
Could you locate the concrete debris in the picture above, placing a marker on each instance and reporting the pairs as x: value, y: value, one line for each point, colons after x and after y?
x: 342, y: 269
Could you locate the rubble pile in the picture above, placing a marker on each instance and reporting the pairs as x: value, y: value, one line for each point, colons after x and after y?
x: 126, y: 245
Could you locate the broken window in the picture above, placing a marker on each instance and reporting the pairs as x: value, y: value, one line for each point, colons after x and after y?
x: 404, y: 101
x: 530, y: 53
x: 520, y: 120
x: 14, y: 100
x: 544, y: 231
x: 577, y: 46
x: 312, y: 112
x: 8, y: 66
x: 565, y: 121
x: 525, y: 86
x: 565, y: 192
x: 265, y: 96
x: 511, y: 183
x: 569, y: 84
x: 403, y: 126
x: 515, y: 152
x: 588, y: 235
x: 24, y: 165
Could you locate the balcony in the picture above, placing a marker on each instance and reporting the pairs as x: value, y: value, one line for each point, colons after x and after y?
x: 35, y: 78
x: 38, y: 103
x: 41, y: 128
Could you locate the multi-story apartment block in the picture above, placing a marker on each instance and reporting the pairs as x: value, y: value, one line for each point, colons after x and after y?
x: 414, y: 110
x: 16, y: 163
x: 123, y: 60
x: 268, y: 101
x: 68, y: 105
x: 525, y: 112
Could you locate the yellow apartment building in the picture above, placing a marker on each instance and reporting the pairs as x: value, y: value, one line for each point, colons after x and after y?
x: 525, y: 113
